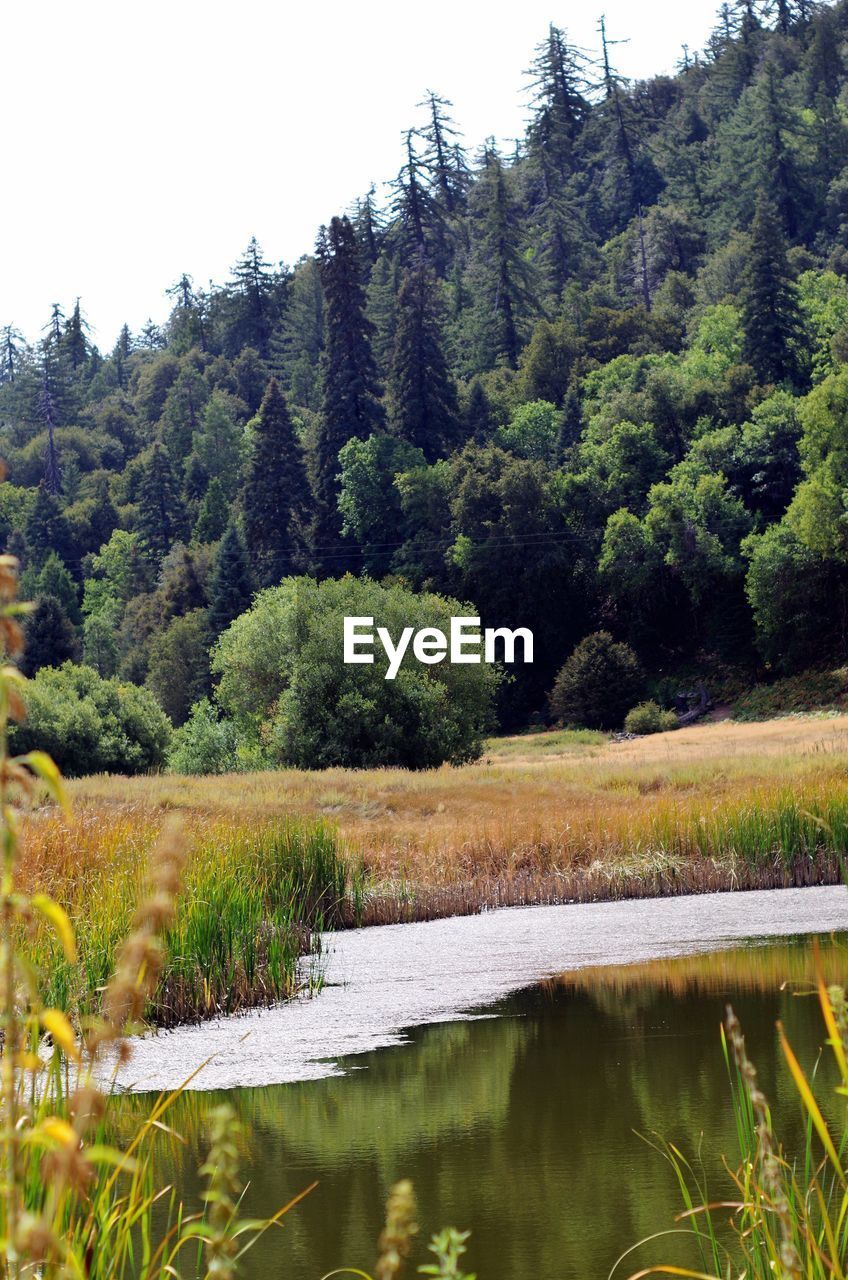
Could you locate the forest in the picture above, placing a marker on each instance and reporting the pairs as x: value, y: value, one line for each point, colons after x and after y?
x: 598, y: 385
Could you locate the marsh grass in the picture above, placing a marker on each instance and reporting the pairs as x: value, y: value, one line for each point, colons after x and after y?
x: 255, y: 900
x: 546, y: 818
x: 782, y: 1215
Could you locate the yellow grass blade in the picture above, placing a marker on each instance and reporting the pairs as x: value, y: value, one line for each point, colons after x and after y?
x: 57, y: 1024
x: 810, y: 1103
x: 834, y: 1038
x: 58, y: 917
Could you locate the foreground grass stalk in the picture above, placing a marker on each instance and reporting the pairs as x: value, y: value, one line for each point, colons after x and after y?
x: 74, y: 1205
x: 789, y: 1215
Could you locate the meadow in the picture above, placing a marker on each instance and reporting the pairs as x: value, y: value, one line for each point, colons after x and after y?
x: 549, y: 816
x: 275, y: 858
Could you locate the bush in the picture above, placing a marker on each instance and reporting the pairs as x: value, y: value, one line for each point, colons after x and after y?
x: 649, y: 717
x: 92, y: 725
x: 803, y: 694
x: 209, y: 743
x: 598, y: 684
x: 285, y: 684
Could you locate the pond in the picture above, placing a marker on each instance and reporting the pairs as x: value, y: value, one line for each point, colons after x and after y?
x: 521, y: 1124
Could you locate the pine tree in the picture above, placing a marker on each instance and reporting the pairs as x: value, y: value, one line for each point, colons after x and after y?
x: 55, y: 580
x: 629, y: 177
x: 217, y: 442
x: 444, y: 159
x: 302, y: 338
x: 50, y: 636
x: 120, y: 355
x: 186, y: 327
x: 771, y: 310
x: 55, y: 327
x: 255, y: 286
x: 422, y: 392
x: 558, y: 85
x: 368, y: 225
x: 825, y: 66
x: 213, y: 515
x: 231, y: 588
x: 74, y: 339
x: 498, y: 274
x: 382, y: 295
x: 124, y: 346
x: 477, y: 419
x: 276, y: 493
x: 420, y: 230
x: 775, y: 162
x: 151, y: 337
x: 11, y: 342
x: 351, y: 404
x: 161, y: 517
x: 47, y: 412
x: 46, y: 530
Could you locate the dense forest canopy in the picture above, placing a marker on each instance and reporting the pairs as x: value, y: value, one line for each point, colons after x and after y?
x: 600, y: 384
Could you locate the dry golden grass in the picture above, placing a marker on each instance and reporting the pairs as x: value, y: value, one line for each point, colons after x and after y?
x: 545, y: 817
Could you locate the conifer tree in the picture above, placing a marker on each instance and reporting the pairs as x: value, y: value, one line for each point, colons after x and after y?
x: 124, y: 345
x: 825, y: 66
x: 477, y: 419
x: 161, y: 517
x: 775, y: 162
x: 368, y: 225
x: 351, y: 405
x: 498, y: 275
x: 276, y: 493
x: 255, y: 285
x: 46, y: 530
x: 418, y: 216
x: 444, y: 158
x: 47, y: 412
x: 770, y: 302
x: 50, y: 636
x: 74, y: 339
x: 382, y: 306
x: 11, y: 342
x: 302, y: 339
x: 423, y: 402
x: 187, y: 327
x: 213, y: 514
x: 558, y: 85
x: 217, y: 442
x: 151, y: 337
x: 231, y: 588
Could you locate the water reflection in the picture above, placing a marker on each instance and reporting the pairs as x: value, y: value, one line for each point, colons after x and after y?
x: 521, y: 1126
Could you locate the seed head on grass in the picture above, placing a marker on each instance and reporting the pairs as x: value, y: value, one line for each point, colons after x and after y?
x: 771, y: 1164
x: 140, y: 959
x: 221, y: 1198
x: 401, y: 1226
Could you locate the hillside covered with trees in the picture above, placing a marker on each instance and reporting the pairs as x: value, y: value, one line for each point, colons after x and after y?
x: 599, y: 384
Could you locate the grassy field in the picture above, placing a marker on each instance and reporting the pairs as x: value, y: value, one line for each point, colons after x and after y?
x: 551, y: 815
x: 542, y: 818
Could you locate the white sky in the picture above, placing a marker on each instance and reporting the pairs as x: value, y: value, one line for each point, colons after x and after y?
x: 144, y: 140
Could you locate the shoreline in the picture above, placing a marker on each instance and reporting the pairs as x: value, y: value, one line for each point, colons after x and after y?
x: 382, y: 982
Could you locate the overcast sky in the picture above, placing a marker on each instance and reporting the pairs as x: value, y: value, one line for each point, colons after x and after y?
x: 144, y: 140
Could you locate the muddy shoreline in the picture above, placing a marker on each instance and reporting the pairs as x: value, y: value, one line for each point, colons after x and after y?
x: 382, y: 981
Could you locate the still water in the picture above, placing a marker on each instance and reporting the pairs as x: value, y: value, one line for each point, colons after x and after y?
x: 522, y: 1125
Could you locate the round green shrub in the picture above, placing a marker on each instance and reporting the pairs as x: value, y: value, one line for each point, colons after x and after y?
x: 284, y: 682
x: 210, y: 743
x: 649, y: 717
x: 91, y: 725
x: 598, y: 684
